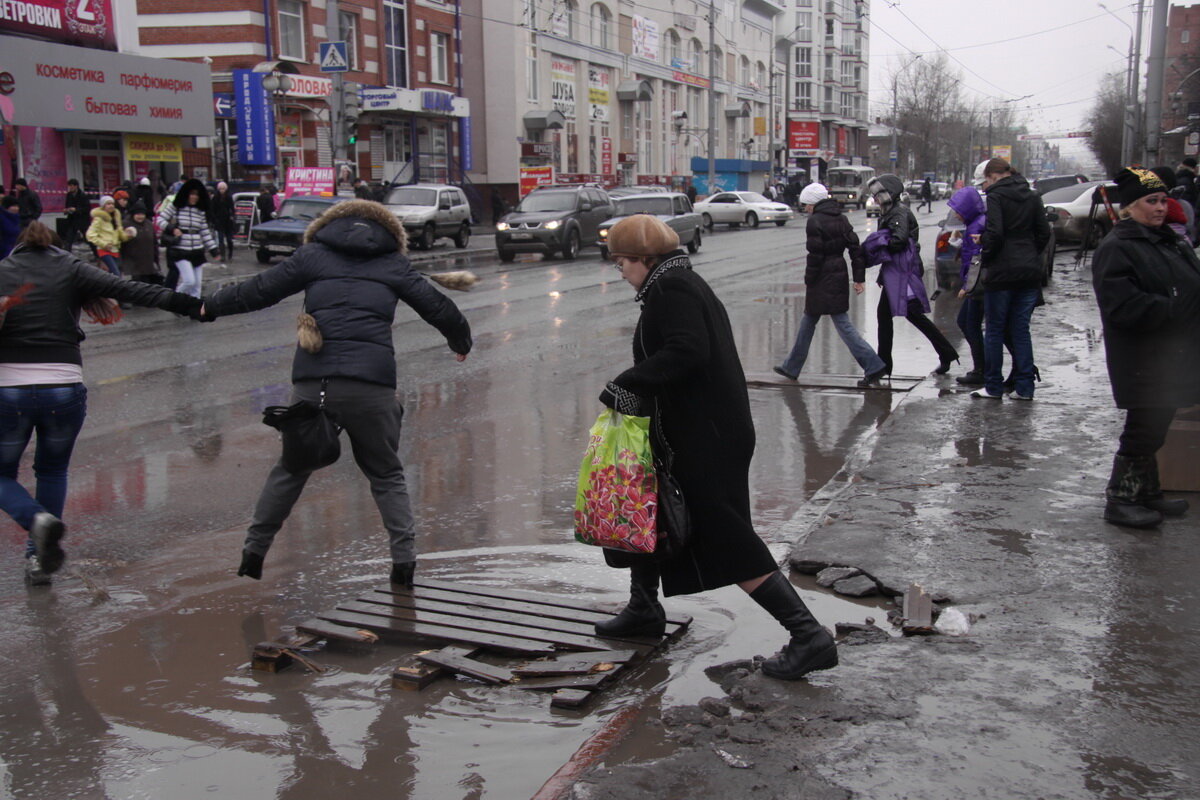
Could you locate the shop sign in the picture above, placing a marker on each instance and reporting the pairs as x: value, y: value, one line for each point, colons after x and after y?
x: 309, y: 180
x: 380, y: 99
x: 803, y: 135
x: 645, y: 38
x: 1002, y: 151
x: 464, y: 144
x: 691, y: 80
x: 244, y: 212
x: 606, y: 153
x: 627, y: 158
x: 256, y: 119
x: 434, y: 100
x: 533, y: 177
x: 78, y: 88
x: 841, y: 140
x: 562, y: 87
x: 80, y: 22
x: 309, y: 86
x: 537, y: 149
x: 147, y: 147
x: 598, y: 93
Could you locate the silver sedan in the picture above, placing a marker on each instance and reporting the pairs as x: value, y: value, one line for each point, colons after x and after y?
x: 742, y: 208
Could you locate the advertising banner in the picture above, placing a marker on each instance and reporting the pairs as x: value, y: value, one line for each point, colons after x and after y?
x: 598, y: 93
x: 1002, y: 151
x: 244, y: 214
x: 256, y: 119
x: 645, y: 38
x: 803, y: 135
x: 77, y: 88
x: 309, y: 180
x: 689, y: 79
x: 45, y: 165
x: 562, y: 87
x: 606, y: 164
x: 147, y: 147
x: 465, y: 156
x: 841, y: 140
x: 533, y: 177
x: 87, y: 23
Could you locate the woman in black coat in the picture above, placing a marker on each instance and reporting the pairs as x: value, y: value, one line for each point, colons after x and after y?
x: 1147, y: 283
x: 687, y: 377
x: 829, y: 237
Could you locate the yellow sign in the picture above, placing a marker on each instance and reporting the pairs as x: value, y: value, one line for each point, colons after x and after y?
x: 1002, y: 151
x: 760, y: 126
x: 147, y: 147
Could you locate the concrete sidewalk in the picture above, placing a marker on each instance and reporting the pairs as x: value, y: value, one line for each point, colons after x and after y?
x: 1077, y: 677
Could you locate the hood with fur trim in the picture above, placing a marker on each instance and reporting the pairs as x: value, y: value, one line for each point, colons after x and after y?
x: 347, y: 237
x: 180, y: 199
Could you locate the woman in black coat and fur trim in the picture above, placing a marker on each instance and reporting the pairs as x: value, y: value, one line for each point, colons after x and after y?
x: 688, y: 378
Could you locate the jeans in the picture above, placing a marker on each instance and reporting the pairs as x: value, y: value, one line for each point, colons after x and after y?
x: 110, y: 264
x: 225, y: 241
x: 371, y: 416
x: 970, y: 322
x: 862, y: 352
x: 56, y: 414
x: 883, y: 315
x: 1007, y: 313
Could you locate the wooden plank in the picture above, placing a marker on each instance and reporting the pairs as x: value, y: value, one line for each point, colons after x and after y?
x: 573, y: 664
x: 325, y: 629
x: 566, y: 641
x: 918, y: 611
x: 472, y: 668
x: 571, y: 698
x: 897, y: 383
x: 396, y: 628
x: 420, y: 603
x: 590, y: 682
x: 413, y: 675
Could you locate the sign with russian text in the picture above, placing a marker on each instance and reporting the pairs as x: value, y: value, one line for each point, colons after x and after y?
x: 562, y: 87
x: 645, y: 38
x: 533, y: 177
x: 309, y: 180
x: 606, y: 151
x: 598, y: 93
x: 803, y: 135
x: 841, y: 139
x: 255, y: 118
x: 691, y: 80
x: 147, y: 147
x: 88, y: 23
x: 77, y: 88
x: 466, y: 154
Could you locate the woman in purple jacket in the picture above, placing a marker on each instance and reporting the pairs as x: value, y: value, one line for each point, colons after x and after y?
x: 968, y: 214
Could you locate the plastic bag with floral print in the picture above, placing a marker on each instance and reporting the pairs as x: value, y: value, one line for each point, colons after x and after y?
x: 616, y: 500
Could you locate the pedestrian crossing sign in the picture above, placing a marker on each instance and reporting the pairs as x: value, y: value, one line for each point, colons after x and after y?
x: 332, y: 56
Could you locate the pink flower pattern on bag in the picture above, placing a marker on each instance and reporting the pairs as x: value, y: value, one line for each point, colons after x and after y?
x: 618, y: 490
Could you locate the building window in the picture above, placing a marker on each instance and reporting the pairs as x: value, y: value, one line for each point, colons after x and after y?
x: 803, y: 62
x: 1185, y: 36
x: 350, y: 37
x: 803, y: 96
x: 720, y: 58
x: 674, y: 52
x: 601, y: 22
x: 395, y: 42
x: 439, y: 57
x: 562, y: 20
x: 804, y: 26
x: 531, y: 69
x: 697, y: 59
x: 291, y: 29
x: 744, y: 70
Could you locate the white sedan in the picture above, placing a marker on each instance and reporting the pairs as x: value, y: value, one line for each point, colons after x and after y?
x: 738, y: 208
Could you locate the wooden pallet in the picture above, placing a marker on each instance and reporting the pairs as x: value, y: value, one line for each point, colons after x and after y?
x: 897, y: 383
x: 531, y: 641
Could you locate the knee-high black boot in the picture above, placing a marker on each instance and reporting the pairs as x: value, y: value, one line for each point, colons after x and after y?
x: 1126, y: 488
x: 1152, y: 493
x: 644, y: 615
x: 811, y: 646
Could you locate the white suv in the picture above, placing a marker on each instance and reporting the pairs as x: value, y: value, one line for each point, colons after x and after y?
x: 431, y: 210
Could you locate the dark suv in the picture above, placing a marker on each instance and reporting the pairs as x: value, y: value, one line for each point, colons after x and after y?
x: 554, y: 219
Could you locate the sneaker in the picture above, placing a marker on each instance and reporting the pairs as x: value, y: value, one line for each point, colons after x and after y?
x: 784, y: 373
x: 986, y: 395
x: 1018, y: 396
x: 34, y: 574
x: 47, y: 531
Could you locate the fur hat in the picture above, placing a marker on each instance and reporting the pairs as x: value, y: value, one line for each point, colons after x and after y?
x: 641, y: 235
x: 1133, y: 184
x: 813, y: 194
x: 365, y: 209
x: 189, y: 186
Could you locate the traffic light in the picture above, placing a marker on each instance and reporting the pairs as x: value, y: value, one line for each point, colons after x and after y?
x: 351, y: 110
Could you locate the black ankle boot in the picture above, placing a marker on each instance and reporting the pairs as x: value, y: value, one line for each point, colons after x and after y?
x: 402, y: 573
x: 1126, y: 487
x: 644, y: 615
x: 944, y: 364
x: 1152, y: 494
x: 252, y: 564
x: 811, y: 646
x: 972, y: 378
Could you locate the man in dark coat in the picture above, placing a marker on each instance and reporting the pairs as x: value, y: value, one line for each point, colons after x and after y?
x: 1147, y: 284
x: 78, y: 210
x: 266, y: 204
x: 688, y: 378
x: 926, y: 196
x: 29, y: 201
x: 1185, y: 177
x: 829, y: 237
x: 691, y: 193
x: 221, y: 212
x: 353, y: 271
x: 362, y: 191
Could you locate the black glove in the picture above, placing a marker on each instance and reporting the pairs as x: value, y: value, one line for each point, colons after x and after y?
x: 207, y: 315
x: 184, y: 305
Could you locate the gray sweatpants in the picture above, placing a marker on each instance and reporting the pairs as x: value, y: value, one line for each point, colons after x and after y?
x: 371, y: 416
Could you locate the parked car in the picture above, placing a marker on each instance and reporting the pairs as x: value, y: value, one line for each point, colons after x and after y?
x: 941, y: 190
x: 672, y: 208
x: 1051, y: 182
x: 948, y: 263
x: 429, y: 211
x: 1073, y: 213
x: 553, y: 219
x: 282, y: 235
x: 626, y: 191
x: 737, y: 208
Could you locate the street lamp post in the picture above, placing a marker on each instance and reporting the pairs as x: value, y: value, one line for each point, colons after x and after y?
x: 712, y: 97
x: 1129, y: 129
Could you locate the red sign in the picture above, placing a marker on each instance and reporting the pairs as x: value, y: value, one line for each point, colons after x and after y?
x: 690, y: 80
x: 803, y: 135
x: 606, y: 164
x: 309, y: 180
x: 537, y: 149
x: 80, y: 22
x: 533, y: 177
x: 841, y: 140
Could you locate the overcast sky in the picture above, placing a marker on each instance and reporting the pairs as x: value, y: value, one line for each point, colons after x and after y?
x: 1059, y: 59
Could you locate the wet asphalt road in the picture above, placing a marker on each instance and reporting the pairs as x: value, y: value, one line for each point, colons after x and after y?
x: 130, y: 678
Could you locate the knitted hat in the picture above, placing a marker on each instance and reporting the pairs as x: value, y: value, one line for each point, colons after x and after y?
x: 1133, y: 184
x: 105, y: 200
x: 813, y: 194
x: 138, y: 208
x: 144, y: 181
x: 120, y: 194
x: 641, y: 235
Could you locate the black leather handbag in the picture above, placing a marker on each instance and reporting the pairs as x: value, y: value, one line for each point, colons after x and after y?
x: 310, y: 434
x: 673, y: 522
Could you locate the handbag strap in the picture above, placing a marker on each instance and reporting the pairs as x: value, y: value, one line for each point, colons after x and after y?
x: 324, y: 386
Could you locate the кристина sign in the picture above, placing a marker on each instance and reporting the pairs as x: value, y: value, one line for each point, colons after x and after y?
x: 309, y: 180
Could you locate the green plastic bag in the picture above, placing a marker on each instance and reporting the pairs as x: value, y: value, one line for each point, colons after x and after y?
x: 616, y: 499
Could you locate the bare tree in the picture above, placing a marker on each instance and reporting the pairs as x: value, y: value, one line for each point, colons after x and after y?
x: 1106, y: 120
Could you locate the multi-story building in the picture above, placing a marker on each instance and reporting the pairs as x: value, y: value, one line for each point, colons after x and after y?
x: 406, y: 51
x: 1181, y: 84
x: 615, y: 91
x: 827, y: 83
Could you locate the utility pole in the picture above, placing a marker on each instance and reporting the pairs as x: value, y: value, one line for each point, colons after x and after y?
x: 712, y: 97
x: 1154, y: 80
x: 1138, y: 121
x: 336, y: 117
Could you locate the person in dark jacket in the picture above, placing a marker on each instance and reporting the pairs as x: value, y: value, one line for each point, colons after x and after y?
x: 41, y: 379
x: 186, y: 217
x: 78, y: 210
x: 894, y: 245
x: 1011, y: 248
x: 362, y: 191
x: 926, y: 196
x: 10, y: 224
x: 139, y: 254
x: 266, y: 204
x: 1185, y: 177
x: 1147, y: 283
x: 688, y: 378
x: 220, y: 211
x: 29, y: 200
x: 966, y: 219
x: 144, y: 193
x: 353, y: 271
x: 830, y: 237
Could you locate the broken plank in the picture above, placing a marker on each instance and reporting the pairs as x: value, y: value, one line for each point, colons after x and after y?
x: 591, y: 682
x: 396, y: 628
x: 472, y: 668
x: 573, y: 663
x: 412, y: 674
x: 325, y: 629
x: 570, y: 698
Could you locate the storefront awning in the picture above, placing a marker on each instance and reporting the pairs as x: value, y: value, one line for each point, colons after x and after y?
x: 634, y: 89
x: 737, y: 110
x: 544, y: 120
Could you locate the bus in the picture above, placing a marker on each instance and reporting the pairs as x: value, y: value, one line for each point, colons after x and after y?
x: 848, y: 185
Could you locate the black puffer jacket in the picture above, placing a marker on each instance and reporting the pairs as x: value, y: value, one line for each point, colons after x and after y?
x: 830, y: 236
x: 352, y: 271
x: 1015, y: 235
x: 45, y: 328
x: 1147, y: 283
